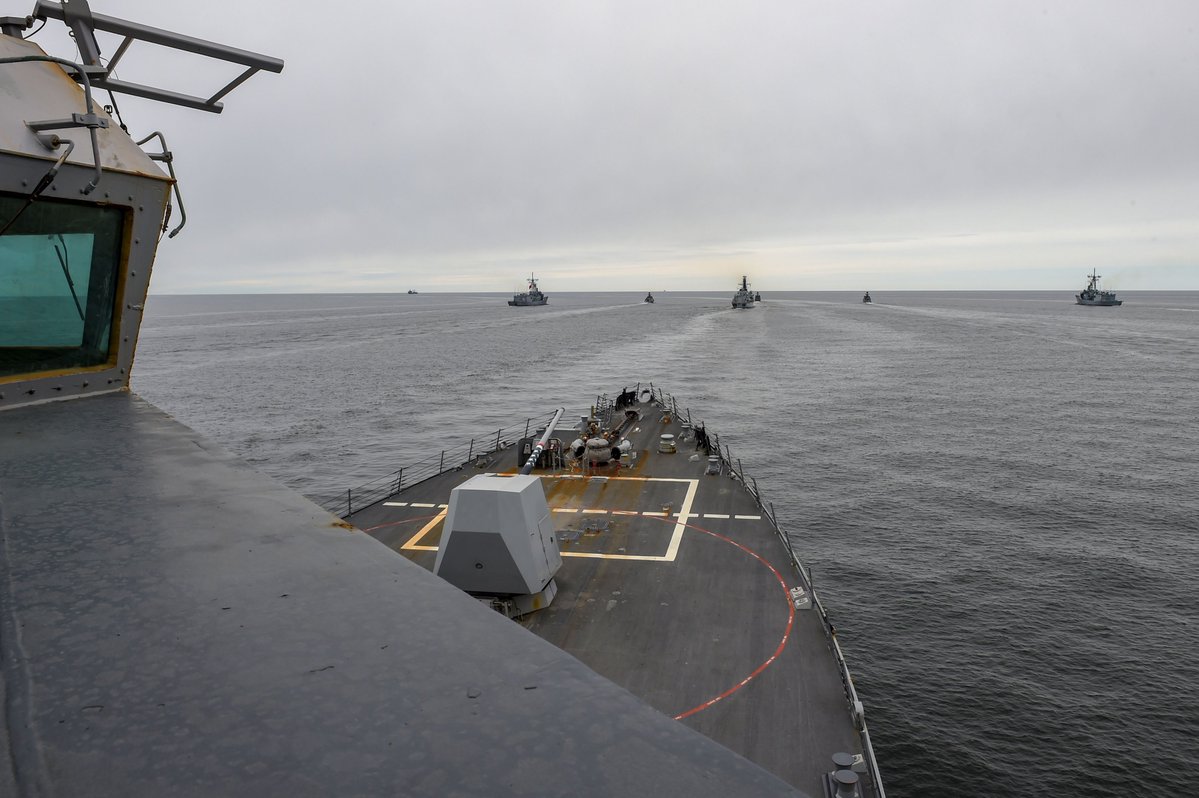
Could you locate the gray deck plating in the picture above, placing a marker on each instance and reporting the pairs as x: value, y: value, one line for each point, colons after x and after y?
x: 174, y: 623
x: 675, y: 586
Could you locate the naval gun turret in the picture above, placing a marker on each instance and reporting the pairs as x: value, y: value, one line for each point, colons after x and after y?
x: 498, y: 541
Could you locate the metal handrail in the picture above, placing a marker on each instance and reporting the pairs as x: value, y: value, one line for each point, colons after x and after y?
x: 449, y: 459
x: 432, y: 466
x: 737, y: 471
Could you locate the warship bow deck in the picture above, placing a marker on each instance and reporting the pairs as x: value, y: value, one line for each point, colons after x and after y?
x: 677, y: 585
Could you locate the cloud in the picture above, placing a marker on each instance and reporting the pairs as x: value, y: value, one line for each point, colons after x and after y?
x: 461, y: 144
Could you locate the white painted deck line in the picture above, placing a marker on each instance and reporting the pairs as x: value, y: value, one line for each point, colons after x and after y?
x: 598, y: 556
x: 395, y: 504
x: 672, y: 548
x: 627, y: 479
x: 715, y: 515
x: 748, y: 517
x: 676, y: 539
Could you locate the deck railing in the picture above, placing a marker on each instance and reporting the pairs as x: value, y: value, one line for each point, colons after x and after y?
x: 733, y: 467
x: 459, y: 456
x: 436, y: 463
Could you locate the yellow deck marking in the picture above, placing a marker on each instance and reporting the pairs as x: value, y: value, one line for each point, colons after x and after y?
x: 596, y: 512
x: 598, y: 556
x: 672, y: 548
x: 411, y: 545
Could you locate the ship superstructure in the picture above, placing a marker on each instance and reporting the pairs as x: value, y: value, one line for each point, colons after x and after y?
x: 532, y: 296
x: 744, y: 298
x: 1092, y: 295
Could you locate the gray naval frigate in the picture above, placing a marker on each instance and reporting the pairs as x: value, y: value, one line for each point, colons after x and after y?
x: 744, y: 298
x: 1092, y: 295
x: 624, y: 616
x: 530, y: 297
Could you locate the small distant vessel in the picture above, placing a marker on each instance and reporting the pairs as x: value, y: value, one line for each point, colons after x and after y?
x: 757, y: 297
x: 411, y: 291
x: 649, y: 298
x: 743, y: 299
x: 531, y: 297
x: 866, y: 299
x: 1091, y: 295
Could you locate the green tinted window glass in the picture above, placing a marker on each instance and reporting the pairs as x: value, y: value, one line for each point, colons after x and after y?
x: 59, y: 265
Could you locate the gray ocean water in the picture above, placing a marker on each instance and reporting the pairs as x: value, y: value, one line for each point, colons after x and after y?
x: 997, y: 493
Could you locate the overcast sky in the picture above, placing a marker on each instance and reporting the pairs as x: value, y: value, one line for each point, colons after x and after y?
x: 840, y: 144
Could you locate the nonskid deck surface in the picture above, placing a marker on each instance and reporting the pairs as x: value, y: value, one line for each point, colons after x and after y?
x: 676, y: 586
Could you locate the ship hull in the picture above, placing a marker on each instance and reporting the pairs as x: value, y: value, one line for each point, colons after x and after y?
x: 676, y: 584
x: 1091, y: 295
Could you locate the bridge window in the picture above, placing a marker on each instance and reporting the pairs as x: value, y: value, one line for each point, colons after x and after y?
x: 59, y: 271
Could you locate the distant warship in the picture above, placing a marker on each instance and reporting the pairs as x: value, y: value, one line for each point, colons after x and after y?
x: 744, y: 298
x: 531, y: 297
x: 1091, y: 295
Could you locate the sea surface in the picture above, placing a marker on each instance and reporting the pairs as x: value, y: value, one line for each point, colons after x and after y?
x: 997, y: 493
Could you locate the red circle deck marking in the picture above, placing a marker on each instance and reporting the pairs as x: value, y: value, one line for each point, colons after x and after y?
x: 756, y: 671
x: 786, y: 632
